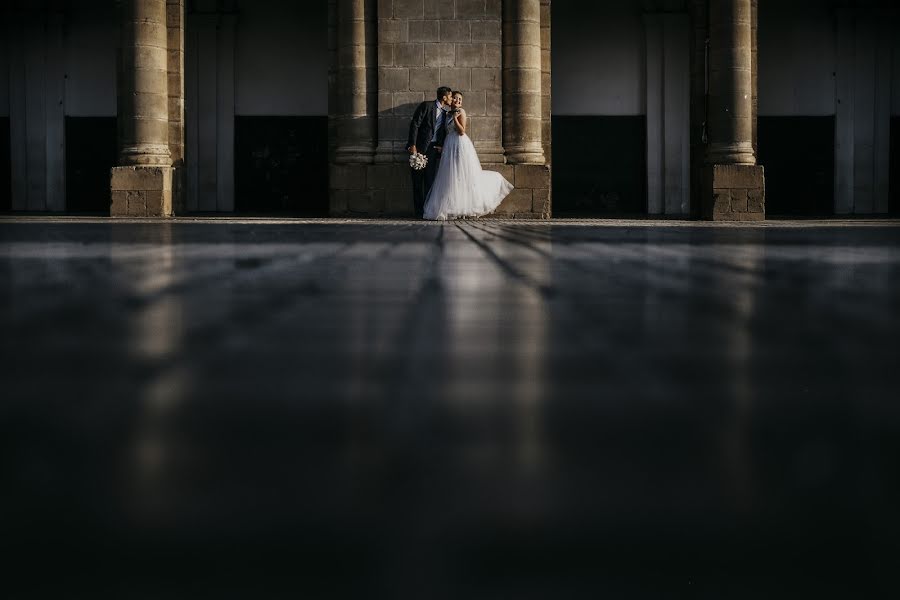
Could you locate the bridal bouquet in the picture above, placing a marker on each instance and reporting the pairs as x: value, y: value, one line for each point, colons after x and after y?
x: 417, y: 161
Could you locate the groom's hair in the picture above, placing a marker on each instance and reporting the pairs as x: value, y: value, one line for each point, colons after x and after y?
x: 443, y: 91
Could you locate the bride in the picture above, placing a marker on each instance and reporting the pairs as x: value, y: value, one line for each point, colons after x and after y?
x: 461, y: 188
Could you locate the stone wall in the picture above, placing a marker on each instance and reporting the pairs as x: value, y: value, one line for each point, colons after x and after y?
x: 421, y: 45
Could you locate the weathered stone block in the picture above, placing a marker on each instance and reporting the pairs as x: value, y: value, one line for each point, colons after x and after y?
x: 756, y: 201
x: 394, y: 79
x: 339, y: 202
x: 738, y: 176
x: 541, y: 203
x: 136, y: 205
x: 439, y: 9
x: 470, y: 55
x: 385, y: 55
x: 399, y: 203
x: 470, y: 9
x: 424, y: 79
x: 486, y: 31
x: 739, y: 200
x: 385, y: 103
x: 455, y: 31
x: 486, y: 79
x: 409, y: 55
x: 508, y: 171
x: 485, y: 128
x: 473, y: 101
x: 459, y: 78
x: 492, y: 55
x: 118, y: 203
x: 439, y: 55
x: 385, y: 8
x: 424, y: 31
x: 733, y: 193
x: 140, y: 178
x: 380, y: 177
x: 409, y: 9
x: 151, y: 203
x: 493, y: 104
x: 532, y: 176
x: 393, y: 31
x: 406, y: 102
x: 518, y: 201
x: 347, y: 177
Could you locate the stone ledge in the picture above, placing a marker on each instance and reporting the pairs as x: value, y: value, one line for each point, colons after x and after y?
x: 384, y: 190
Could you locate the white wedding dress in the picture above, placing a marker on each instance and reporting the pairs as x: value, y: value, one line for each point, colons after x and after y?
x: 461, y: 187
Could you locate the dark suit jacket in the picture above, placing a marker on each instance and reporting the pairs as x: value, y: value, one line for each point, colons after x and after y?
x: 421, y: 128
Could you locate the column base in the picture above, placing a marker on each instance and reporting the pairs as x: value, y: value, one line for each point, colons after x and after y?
x: 141, y: 191
x: 733, y: 193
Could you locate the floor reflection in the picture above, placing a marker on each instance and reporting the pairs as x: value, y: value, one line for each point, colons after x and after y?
x: 479, y: 409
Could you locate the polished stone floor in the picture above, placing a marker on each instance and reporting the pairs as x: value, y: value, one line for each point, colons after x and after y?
x: 484, y: 409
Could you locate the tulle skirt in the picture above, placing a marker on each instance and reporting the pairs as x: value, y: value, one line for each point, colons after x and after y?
x: 461, y: 187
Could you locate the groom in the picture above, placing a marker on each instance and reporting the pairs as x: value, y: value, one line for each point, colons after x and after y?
x: 427, y: 131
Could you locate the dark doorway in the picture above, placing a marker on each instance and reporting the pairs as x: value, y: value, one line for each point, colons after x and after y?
x: 281, y: 165
x: 799, y: 178
x: 5, y: 166
x: 90, y: 154
x: 894, y: 206
x: 599, y: 166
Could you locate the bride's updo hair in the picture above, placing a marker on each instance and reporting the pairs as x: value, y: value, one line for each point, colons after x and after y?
x: 458, y: 93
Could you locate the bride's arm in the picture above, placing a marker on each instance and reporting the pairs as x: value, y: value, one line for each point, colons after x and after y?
x: 461, y: 121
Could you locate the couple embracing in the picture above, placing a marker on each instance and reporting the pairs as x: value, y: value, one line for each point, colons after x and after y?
x: 452, y: 185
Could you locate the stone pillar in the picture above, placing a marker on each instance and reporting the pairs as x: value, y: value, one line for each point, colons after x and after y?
x: 731, y: 82
x: 734, y: 186
x: 523, y: 108
x: 175, y: 32
x: 142, y: 184
x: 356, y: 81
x: 546, y: 100
x: 754, y: 72
x: 522, y: 82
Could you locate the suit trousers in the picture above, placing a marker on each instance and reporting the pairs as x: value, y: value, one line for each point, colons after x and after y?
x: 422, y: 180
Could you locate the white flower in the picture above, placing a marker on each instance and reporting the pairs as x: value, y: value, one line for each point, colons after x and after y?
x: 417, y: 161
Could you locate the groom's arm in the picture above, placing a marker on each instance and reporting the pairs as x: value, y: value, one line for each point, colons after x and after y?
x: 414, y: 125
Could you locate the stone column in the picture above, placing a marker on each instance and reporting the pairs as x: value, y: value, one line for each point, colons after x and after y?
x: 754, y: 70
x: 522, y: 136
x: 142, y: 184
x: 731, y: 83
x: 734, y: 186
x: 175, y: 29
x: 356, y: 82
